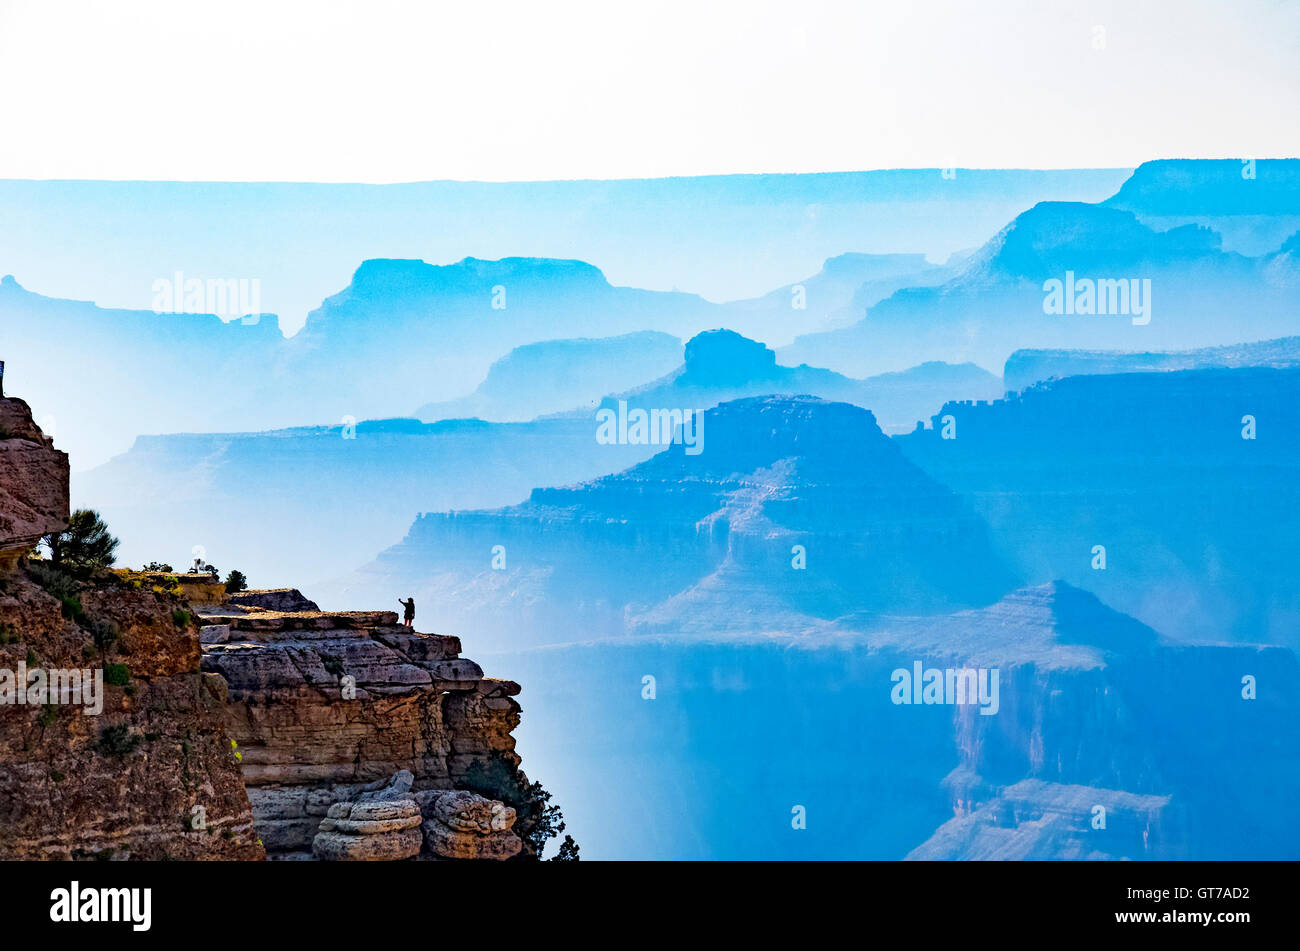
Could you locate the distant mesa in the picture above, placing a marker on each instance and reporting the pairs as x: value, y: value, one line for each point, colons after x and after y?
x: 1053, y: 237
x: 1174, y: 187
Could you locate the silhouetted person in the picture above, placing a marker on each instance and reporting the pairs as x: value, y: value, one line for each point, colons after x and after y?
x: 408, y: 612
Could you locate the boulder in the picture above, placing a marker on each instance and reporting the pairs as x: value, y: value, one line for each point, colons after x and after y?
x: 273, y: 599
x: 460, y: 824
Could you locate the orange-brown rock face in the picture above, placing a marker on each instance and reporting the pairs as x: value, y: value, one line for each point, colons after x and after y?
x: 33, y: 483
x: 323, y: 704
x: 111, y: 739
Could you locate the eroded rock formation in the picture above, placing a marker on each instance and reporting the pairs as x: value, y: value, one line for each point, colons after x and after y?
x: 272, y: 599
x: 324, y: 704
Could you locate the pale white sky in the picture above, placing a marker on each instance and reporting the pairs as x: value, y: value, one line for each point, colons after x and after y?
x: 381, y: 91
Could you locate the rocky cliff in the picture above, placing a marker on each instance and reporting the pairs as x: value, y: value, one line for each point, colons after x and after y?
x: 111, y: 739
x: 290, y: 731
x: 34, y: 487
x: 324, y: 705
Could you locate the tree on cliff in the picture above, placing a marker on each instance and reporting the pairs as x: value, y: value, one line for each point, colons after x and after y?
x: 235, y: 581
x: 84, y: 545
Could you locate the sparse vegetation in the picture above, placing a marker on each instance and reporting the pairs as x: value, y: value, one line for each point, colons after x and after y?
x: 117, y: 675
x: 182, y: 618
x: 104, y: 633
x: 158, y: 566
x: 62, y: 586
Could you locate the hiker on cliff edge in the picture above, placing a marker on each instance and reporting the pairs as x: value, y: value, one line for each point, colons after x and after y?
x: 408, y: 611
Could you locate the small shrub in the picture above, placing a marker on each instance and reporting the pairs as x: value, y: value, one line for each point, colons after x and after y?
x: 56, y: 776
x: 182, y: 618
x: 236, y: 581
x: 158, y: 566
x: 104, y: 633
x: 117, y: 675
x: 61, y: 586
x: 49, y: 715
x: 117, y: 741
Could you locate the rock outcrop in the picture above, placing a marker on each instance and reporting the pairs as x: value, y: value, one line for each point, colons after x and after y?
x: 33, y: 483
x: 272, y: 599
x: 111, y: 739
x: 465, y: 825
x: 325, y: 705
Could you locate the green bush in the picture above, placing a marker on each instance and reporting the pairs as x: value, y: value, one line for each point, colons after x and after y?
x: 236, y: 581
x: 117, y: 741
x: 181, y: 618
x: 117, y: 675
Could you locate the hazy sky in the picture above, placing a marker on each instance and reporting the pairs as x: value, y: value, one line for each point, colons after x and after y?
x: 378, y: 92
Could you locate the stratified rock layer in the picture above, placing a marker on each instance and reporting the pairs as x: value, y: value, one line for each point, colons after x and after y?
x: 324, y: 703
x: 272, y: 599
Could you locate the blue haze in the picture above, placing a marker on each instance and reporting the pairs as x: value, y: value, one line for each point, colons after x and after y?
x: 828, y: 532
